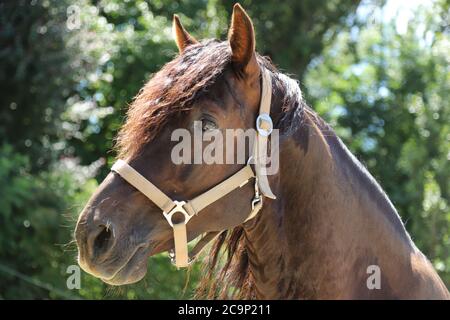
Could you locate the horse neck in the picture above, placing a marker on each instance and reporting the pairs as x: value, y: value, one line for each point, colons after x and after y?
x: 329, y: 220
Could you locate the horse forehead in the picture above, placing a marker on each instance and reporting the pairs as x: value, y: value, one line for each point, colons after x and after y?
x: 241, y: 89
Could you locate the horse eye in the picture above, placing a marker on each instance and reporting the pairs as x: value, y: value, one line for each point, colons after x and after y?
x: 208, y: 125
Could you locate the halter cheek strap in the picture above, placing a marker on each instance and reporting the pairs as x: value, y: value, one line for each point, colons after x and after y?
x: 264, y: 127
x: 173, y: 210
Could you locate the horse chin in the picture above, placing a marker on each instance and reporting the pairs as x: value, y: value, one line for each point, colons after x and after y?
x: 133, y: 271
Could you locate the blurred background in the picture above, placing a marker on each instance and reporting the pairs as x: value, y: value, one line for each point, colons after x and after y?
x: 378, y: 71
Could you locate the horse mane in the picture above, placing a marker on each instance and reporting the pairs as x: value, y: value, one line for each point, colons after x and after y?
x: 171, y: 91
x: 178, y: 86
x: 174, y: 90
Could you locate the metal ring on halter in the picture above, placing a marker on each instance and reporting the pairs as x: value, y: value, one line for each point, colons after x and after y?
x: 264, y: 118
x: 178, y: 208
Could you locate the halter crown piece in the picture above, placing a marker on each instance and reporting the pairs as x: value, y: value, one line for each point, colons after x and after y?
x: 187, y: 209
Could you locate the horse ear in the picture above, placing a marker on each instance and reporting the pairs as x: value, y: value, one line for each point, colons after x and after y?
x: 182, y: 38
x: 241, y: 37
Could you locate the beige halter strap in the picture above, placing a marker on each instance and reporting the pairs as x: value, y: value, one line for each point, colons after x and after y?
x: 173, y: 208
x: 187, y: 209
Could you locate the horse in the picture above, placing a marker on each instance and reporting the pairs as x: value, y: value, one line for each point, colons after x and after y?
x: 329, y: 231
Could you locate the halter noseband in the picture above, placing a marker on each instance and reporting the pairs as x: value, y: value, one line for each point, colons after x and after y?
x: 188, y: 209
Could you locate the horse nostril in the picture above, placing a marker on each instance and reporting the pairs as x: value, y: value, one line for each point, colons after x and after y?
x: 103, y: 240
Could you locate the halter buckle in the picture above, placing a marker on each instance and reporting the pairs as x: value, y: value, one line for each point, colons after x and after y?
x: 179, y: 207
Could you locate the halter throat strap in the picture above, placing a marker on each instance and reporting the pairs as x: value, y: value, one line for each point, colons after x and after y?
x: 178, y: 213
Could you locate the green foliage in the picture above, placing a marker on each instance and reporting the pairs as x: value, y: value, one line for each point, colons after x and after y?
x: 37, y: 216
x: 41, y: 61
x: 292, y: 33
x: 34, y: 227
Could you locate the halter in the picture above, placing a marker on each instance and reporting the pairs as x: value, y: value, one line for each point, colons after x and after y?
x: 172, y: 209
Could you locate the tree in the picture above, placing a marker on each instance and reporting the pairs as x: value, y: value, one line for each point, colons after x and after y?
x: 292, y: 33
x: 42, y: 61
